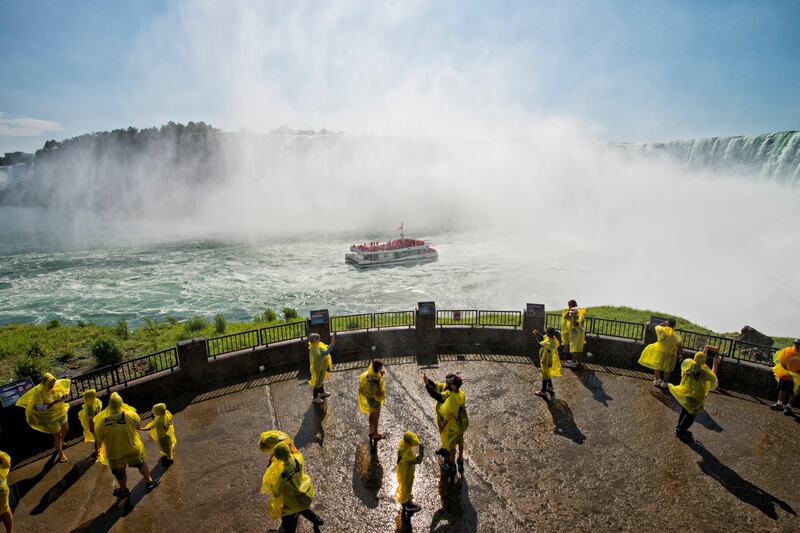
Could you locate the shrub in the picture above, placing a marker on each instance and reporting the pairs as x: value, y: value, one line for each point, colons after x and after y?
x: 172, y: 321
x: 66, y: 357
x: 34, y: 367
x: 106, y: 352
x: 219, y: 323
x: 53, y: 324
x: 289, y: 313
x: 36, y: 351
x: 3, y: 353
x: 268, y: 315
x: 196, y: 323
x: 81, y: 324
x: 122, y: 330
x: 150, y: 324
x: 353, y: 324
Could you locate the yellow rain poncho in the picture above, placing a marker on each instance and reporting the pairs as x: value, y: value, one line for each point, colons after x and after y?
x: 549, y: 362
x: 662, y: 354
x: 91, y: 406
x: 5, y: 466
x: 573, y: 336
x: 371, y: 391
x: 406, y: 466
x: 320, y: 362
x: 451, y: 416
x: 116, y: 430
x: 697, y: 380
x: 787, y: 366
x: 287, y: 483
x: 35, y: 402
x: 272, y: 437
x: 162, y: 431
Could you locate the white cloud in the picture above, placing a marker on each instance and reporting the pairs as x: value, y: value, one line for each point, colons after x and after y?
x: 26, y: 126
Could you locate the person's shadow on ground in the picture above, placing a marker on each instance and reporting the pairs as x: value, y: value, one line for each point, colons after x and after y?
x: 367, y: 475
x: 63, y: 484
x: 564, y: 421
x: 23, y: 486
x: 311, y: 429
x: 120, y: 508
x: 703, y: 418
x: 457, y: 513
x: 736, y: 485
x: 589, y: 379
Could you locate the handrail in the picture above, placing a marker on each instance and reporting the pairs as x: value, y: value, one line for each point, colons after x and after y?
x: 110, y: 376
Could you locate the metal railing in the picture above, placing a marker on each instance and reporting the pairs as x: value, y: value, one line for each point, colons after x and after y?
x: 754, y: 353
x: 284, y: 332
x: 503, y: 319
x: 614, y: 328
x: 120, y: 374
x: 351, y: 322
x: 552, y: 320
x: 456, y: 317
x: 394, y: 319
x: 233, y: 342
x: 694, y: 340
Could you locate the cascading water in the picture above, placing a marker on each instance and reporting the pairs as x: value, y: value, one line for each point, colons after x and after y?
x: 773, y: 156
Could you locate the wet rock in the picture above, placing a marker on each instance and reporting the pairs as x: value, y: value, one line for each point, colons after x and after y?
x: 753, y: 336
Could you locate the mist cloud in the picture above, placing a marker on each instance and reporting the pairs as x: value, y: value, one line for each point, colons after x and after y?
x: 26, y: 126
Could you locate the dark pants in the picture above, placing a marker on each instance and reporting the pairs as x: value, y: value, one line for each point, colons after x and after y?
x: 685, y: 421
x: 546, y: 383
x: 319, y: 390
x: 289, y: 523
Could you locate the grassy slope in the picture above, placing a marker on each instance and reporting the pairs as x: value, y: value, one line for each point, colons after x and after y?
x: 16, y: 339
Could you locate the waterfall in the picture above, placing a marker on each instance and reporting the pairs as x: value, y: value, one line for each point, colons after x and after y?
x: 769, y: 156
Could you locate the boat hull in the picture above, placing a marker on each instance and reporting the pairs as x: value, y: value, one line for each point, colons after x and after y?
x: 411, y: 260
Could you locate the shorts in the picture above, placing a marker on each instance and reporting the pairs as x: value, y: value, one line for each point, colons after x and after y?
x: 786, y: 385
x: 374, y: 405
x: 120, y: 473
x: 134, y: 460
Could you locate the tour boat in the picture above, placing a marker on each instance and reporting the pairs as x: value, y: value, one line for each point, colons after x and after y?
x: 400, y: 251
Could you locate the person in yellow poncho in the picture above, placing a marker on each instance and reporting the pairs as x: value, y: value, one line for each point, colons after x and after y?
x: 787, y: 373
x: 319, y: 357
x: 697, y: 380
x: 451, y: 419
x: 91, y: 406
x: 549, y: 362
x: 662, y: 355
x: 407, y: 462
x: 162, y: 432
x: 271, y: 438
x: 290, y: 489
x: 119, y: 444
x: 371, y: 393
x: 5, y: 510
x: 46, y: 409
x: 573, y: 332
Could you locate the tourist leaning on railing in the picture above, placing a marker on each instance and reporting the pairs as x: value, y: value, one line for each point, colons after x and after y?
x: 46, y: 409
x: 787, y: 372
x: 662, y: 355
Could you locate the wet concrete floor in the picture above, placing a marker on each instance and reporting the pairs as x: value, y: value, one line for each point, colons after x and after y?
x: 601, y: 456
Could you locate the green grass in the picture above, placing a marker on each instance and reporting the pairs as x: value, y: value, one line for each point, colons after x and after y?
x: 76, y: 342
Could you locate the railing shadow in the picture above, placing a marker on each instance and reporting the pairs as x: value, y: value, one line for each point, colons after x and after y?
x: 564, y: 421
x: 738, y: 486
x: 23, y: 486
x: 591, y: 381
x: 457, y: 513
x: 63, y: 484
x: 119, y: 508
x: 367, y: 475
x: 311, y: 429
x: 703, y: 418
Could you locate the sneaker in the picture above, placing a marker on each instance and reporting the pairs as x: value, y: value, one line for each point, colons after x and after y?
x: 540, y: 394
x: 150, y: 485
x: 777, y: 406
x: 656, y: 382
x: 318, y: 400
x: 662, y: 384
x: 787, y: 411
x: 411, y: 507
x: 325, y: 394
x: 460, y: 465
x: 120, y: 493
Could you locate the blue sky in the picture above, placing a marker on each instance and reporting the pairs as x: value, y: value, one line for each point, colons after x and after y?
x: 626, y: 71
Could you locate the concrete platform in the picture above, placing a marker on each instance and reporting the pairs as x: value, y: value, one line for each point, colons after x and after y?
x: 600, y: 457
